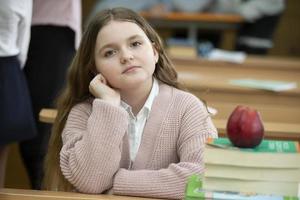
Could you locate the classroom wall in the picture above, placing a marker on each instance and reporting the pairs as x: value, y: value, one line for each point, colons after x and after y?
x: 87, y: 5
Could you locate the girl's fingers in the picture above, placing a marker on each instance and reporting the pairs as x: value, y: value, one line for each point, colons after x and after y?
x: 100, y: 88
x: 98, y: 78
x: 102, y: 79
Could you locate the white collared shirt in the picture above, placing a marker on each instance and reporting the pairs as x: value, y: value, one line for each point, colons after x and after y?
x: 137, y: 123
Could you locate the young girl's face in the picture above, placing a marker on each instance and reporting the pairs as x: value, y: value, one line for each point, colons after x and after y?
x: 124, y: 55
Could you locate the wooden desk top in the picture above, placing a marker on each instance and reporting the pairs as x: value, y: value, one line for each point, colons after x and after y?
x: 251, y: 61
x: 217, y: 78
x: 20, y: 194
x: 290, y: 131
x: 273, y: 130
x: 47, y: 115
x: 200, y: 17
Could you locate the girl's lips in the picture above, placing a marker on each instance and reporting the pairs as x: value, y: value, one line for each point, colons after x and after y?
x: 129, y: 69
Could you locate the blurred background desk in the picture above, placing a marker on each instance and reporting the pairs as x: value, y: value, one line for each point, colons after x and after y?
x: 19, y: 194
x: 251, y: 61
x: 227, y: 24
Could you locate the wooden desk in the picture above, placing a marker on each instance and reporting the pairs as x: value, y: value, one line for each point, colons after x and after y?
x: 280, y: 110
x: 251, y: 61
x: 216, y: 78
x: 287, y: 131
x: 273, y: 130
x: 212, y: 84
x: 19, y: 194
x: 227, y: 23
x: 47, y: 115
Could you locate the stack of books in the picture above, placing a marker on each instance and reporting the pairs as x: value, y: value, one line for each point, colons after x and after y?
x: 271, y: 168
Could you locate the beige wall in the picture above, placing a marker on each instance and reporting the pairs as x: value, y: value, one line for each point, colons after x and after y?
x: 87, y: 5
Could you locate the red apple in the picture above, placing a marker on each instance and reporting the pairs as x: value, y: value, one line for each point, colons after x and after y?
x: 244, y: 127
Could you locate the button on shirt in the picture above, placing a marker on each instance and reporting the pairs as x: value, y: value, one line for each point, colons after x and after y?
x: 137, y: 123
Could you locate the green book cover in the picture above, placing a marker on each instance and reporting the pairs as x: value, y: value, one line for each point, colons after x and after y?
x: 194, y: 190
x: 267, y: 146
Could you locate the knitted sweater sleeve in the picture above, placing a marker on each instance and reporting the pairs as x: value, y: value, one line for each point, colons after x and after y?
x: 170, y: 182
x: 91, y: 150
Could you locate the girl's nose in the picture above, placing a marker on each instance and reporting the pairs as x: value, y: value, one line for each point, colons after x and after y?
x: 126, y: 56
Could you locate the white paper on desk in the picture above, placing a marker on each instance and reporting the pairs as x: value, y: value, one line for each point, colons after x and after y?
x: 212, y: 110
x: 271, y: 85
x: 229, y: 56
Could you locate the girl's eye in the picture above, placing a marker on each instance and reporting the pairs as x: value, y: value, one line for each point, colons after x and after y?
x: 136, y: 44
x: 110, y: 53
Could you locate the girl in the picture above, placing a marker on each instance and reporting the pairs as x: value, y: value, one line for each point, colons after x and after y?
x: 128, y: 129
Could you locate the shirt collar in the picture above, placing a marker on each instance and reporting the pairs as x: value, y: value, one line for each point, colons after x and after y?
x: 152, y: 95
x: 148, y: 104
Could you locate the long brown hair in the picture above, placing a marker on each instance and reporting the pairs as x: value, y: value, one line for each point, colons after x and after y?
x: 81, y: 73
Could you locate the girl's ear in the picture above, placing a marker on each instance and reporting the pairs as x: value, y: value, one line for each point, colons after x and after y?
x: 156, y: 54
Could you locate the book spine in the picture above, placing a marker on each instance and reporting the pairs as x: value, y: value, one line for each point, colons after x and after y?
x: 272, y: 146
x: 243, y: 196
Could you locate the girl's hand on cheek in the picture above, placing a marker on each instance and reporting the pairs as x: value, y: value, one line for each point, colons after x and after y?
x: 100, y: 89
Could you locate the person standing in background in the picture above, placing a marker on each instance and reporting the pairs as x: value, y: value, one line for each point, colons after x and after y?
x: 16, y: 117
x: 55, y: 35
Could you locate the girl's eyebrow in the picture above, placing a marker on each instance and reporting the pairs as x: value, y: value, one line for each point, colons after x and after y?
x: 114, y: 44
x: 134, y: 37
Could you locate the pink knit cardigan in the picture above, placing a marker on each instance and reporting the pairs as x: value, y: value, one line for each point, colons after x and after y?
x: 95, y: 153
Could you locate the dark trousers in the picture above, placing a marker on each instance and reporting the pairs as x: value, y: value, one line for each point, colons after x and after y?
x: 50, y: 53
x: 263, y: 28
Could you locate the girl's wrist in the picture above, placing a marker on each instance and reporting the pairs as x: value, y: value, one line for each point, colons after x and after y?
x: 112, y: 101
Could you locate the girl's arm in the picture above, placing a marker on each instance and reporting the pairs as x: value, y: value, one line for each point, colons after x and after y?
x: 196, y: 127
x: 92, y: 140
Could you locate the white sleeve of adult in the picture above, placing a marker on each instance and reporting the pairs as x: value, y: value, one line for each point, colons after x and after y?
x: 25, y: 12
